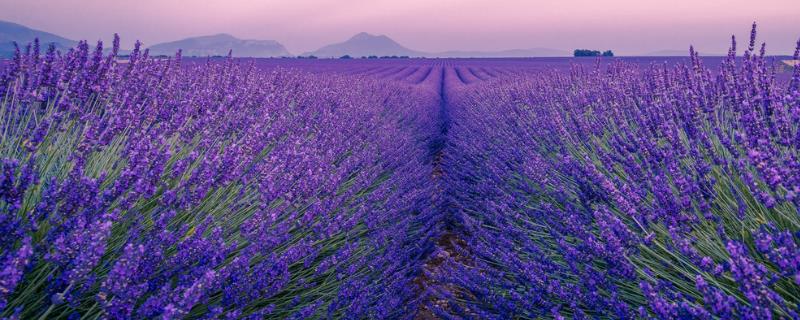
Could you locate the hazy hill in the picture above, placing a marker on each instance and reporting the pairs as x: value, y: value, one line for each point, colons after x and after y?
x: 365, y: 44
x: 219, y: 45
x: 514, y: 53
x: 362, y: 44
x: 11, y: 32
x: 677, y: 53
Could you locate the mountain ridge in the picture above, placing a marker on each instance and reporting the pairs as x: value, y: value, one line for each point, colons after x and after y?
x: 364, y: 44
x: 510, y: 53
x: 676, y: 53
x: 360, y: 44
x: 220, y: 44
x: 13, y: 32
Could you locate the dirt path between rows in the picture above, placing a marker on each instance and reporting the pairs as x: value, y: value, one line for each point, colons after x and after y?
x: 449, y: 243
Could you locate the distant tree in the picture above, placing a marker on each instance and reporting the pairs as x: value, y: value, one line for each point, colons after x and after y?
x: 586, y: 53
x: 593, y: 53
x: 373, y: 57
x: 347, y: 56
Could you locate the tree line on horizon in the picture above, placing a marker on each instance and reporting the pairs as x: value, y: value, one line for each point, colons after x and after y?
x: 592, y: 53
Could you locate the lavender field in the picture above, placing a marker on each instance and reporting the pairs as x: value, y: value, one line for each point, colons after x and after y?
x: 143, y: 187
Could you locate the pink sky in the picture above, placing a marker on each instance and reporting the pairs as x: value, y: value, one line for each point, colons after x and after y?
x: 626, y: 26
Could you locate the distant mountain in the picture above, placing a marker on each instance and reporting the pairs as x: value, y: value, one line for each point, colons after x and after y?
x: 219, y: 45
x: 677, y: 53
x: 514, y: 53
x: 365, y: 44
x: 11, y: 32
x: 362, y: 44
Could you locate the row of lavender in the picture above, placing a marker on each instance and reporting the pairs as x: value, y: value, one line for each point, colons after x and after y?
x: 148, y: 188
x: 625, y: 192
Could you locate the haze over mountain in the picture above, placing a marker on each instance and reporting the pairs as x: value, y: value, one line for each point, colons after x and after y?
x: 627, y: 27
x: 11, y: 32
x: 219, y: 45
x: 513, y: 53
x: 677, y: 53
x: 361, y: 44
x: 365, y: 44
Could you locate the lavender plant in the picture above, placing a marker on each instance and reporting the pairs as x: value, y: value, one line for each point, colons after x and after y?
x: 143, y: 188
x: 621, y: 192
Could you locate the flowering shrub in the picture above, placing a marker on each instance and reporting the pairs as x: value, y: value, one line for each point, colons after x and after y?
x: 146, y: 188
x: 665, y: 192
x: 239, y: 188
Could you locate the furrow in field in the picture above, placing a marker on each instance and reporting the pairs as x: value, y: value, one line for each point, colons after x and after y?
x: 405, y: 73
x: 423, y: 74
x: 477, y: 74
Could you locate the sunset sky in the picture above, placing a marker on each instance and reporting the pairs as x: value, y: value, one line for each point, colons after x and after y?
x: 626, y: 26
